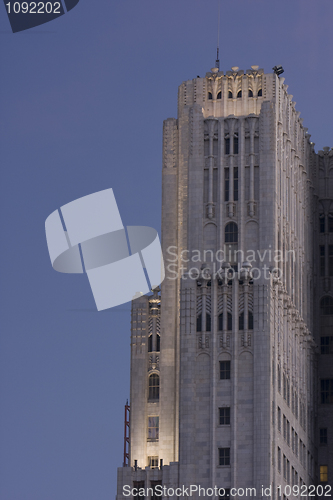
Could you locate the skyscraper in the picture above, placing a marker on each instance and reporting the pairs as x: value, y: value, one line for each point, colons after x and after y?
x: 231, y: 365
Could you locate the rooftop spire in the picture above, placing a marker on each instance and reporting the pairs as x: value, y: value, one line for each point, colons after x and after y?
x: 217, y: 62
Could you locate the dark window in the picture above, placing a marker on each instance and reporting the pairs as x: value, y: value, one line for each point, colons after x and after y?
x: 199, y: 323
x: 279, y: 459
x: 235, y: 183
x: 154, y: 387
x: 155, y: 495
x: 321, y: 223
x: 224, y: 416
x: 158, y: 343
x: 206, y: 185
x: 210, y: 95
x: 224, y: 370
x: 215, y: 184
x: 153, y: 462
x: 326, y: 306
x: 153, y: 428
x: 323, y: 436
x: 326, y: 391
x: 138, y: 485
x: 330, y: 223
x: 219, y: 95
x: 235, y: 145
x: 227, y: 146
x: 208, y: 323
x: 239, y: 94
x: 226, y: 184
x: 231, y: 233
x: 330, y: 260
x: 250, y: 93
x: 241, y: 321
x: 326, y: 345
x: 230, y: 94
x: 150, y: 343
x: 229, y: 321
x: 322, y: 260
x: 226, y: 494
x: 259, y: 92
x: 250, y: 320
x: 279, y: 379
x: 220, y: 322
x: 224, y: 456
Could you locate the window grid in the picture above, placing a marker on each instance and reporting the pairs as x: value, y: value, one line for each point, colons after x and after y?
x: 224, y: 415
x: 224, y: 370
x: 224, y: 456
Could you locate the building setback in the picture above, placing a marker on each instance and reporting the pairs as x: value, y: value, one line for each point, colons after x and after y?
x: 232, y: 363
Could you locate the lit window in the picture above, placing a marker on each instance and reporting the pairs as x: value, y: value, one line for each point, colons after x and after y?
x: 224, y: 416
x: 219, y: 95
x: 239, y: 94
x: 230, y: 94
x: 224, y: 456
x: 323, y: 436
x: 326, y: 391
x: 323, y: 473
x: 153, y: 462
x: 326, y: 306
x: 259, y: 92
x: 153, y: 428
x: 224, y: 370
x: 210, y: 96
x: 154, y: 387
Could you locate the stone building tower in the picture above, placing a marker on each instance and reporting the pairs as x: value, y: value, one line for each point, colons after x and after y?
x: 224, y: 390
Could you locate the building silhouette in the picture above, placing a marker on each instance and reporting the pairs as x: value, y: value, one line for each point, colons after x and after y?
x: 232, y: 362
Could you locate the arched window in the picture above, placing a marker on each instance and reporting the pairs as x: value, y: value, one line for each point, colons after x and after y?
x: 210, y: 96
x: 259, y: 92
x: 231, y: 233
x: 219, y: 95
x: 158, y: 343
x: 229, y: 94
x: 250, y: 93
x: 239, y: 94
x: 326, y: 306
x: 150, y: 343
x: 154, y: 387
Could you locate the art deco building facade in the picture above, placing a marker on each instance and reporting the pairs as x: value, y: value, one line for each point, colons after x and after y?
x: 232, y: 364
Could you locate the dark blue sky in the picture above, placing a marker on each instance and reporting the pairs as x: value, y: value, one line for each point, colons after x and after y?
x: 83, y: 99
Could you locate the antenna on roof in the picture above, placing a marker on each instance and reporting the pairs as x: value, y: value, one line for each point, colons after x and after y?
x: 217, y: 62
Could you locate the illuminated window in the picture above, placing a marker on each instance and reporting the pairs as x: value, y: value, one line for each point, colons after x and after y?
x: 259, y: 92
x: 224, y: 456
x: 224, y: 370
x: 153, y: 428
x: 154, y: 387
x: 224, y: 416
x: 323, y: 473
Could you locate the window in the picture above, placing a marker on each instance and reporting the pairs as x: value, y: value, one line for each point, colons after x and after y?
x: 224, y: 456
x: 326, y: 306
x: 219, y: 95
x: 231, y: 233
x: 199, y: 322
x: 279, y: 378
x: 326, y: 391
x: 321, y: 223
x: 326, y: 345
x: 241, y: 321
x: 330, y: 260
x: 239, y: 94
x: 220, y: 322
x: 224, y: 370
x: 153, y: 429
x: 229, y: 321
x: 250, y: 320
x: 150, y: 343
x: 279, y: 418
x: 323, y: 436
x: 226, y: 493
x: 259, y: 92
x: 156, y: 495
x: 208, y: 323
x: 279, y: 459
x: 210, y: 96
x: 224, y: 416
x: 138, y: 485
x: 330, y: 223
x: 154, y: 387
x: 158, y: 343
x: 322, y: 260
x: 284, y: 428
x: 250, y: 93
x: 285, y: 467
x: 226, y: 184
x: 236, y: 181
x: 236, y: 144
x: 153, y: 462
x: 288, y: 433
x: 229, y: 94
x: 323, y: 472
x: 227, y: 146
